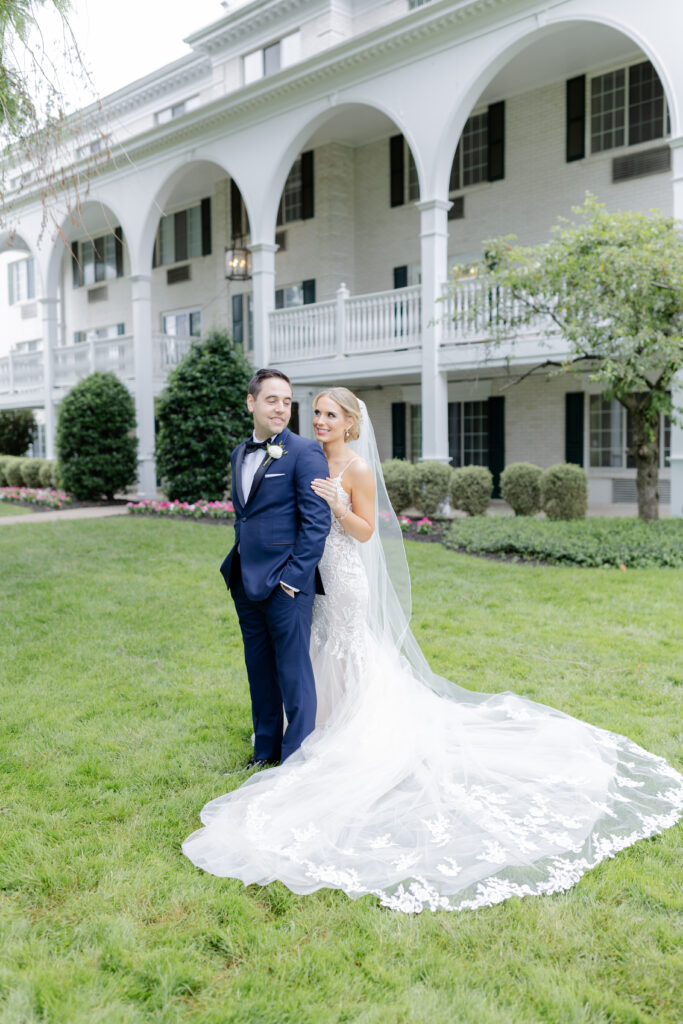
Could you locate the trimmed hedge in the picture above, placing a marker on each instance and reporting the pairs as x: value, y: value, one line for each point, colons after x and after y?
x: 564, y: 491
x: 598, y: 542
x: 471, y: 489
x: 431, y: 482
x: 398, y: 477
x: 520, y: 486
x: 13, y: 474
x: 30, y: 472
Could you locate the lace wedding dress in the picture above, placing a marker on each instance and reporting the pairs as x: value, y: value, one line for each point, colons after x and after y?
x: 421, y: 793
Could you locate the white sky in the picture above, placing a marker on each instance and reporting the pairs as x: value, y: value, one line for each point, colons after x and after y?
x: 127, y: 39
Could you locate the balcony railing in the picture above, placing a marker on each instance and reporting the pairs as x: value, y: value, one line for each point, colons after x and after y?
x: 21, y: 372
x: 469, y: 312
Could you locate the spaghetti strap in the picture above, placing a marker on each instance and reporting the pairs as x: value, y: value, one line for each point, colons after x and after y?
x: 349, y: 463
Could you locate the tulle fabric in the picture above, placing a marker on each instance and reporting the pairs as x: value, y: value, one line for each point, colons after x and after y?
x: 422, y: 793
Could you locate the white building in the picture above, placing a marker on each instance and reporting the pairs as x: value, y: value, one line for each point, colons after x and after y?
x: 360, y: 147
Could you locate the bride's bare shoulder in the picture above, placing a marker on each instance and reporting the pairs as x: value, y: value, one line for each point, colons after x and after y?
x: 361, y: 475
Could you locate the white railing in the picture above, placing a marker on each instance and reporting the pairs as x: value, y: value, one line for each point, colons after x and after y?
x: 21, y: 371
x: 73, y: 362
x: 169, y: 349
x: 379, y: 322
x: 470, y: 312
x: 303, y: 332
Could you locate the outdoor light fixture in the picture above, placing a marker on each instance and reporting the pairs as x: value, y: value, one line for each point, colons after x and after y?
x: 237, y: 261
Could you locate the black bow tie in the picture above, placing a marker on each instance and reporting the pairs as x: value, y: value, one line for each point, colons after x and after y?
x: 253, y: 446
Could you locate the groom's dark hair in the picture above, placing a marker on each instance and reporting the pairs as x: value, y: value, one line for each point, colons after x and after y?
x: 256, y: 382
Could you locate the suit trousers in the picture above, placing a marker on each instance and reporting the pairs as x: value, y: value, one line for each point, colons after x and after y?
x: 277, y: 633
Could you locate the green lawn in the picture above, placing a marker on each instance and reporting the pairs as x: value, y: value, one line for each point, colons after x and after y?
x: 124, y: 702
x: 7, y: 509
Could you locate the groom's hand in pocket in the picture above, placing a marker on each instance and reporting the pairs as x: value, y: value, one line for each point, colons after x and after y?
x: 288, y: 590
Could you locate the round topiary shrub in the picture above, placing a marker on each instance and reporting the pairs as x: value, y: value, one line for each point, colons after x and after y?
x: 202, y: 415
x: 471, y: 489
x: 96, y: 440
x: 30, y: 472
x: 47, y: 471
x: 520, y: 486
x: 431, y: 481
x: 398, y: 477
x: 564, y: 491
x: 13, y: 473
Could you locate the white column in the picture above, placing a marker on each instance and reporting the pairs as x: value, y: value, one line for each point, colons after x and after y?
x: 263, y: 276
x: 49, y: 329
x: 434, y: 255
x: 340, y: 319
x: 144, y: 392
x: 677, y: 390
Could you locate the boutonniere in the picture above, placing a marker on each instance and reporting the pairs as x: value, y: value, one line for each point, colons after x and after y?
x: 274, y: 451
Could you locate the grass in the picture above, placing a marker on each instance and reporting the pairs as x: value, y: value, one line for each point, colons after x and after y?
x: 7, y: 509
x: 124, y: 702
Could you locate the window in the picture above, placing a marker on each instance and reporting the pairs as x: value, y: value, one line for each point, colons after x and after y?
x: 480, y: 155
x: 21, y: 281
x: 627, y: 106
x: 176, y: 110
x: 99, y: 333
x: 295, y: 295
x: 415, y: 432
x: 468, y: 433
x: 184, y: 235
x: 272, y: 58
x: 93, y: 147
x: 186, y: 324
x: 97, y: 259
x: 297, y: 197
x: 611, y: 435
x: 238, y: 319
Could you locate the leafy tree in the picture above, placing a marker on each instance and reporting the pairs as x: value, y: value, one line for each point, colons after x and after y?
x: 201, y: 417
x: 17, y: 430
x: 612, y: 285
x: 96, y: 440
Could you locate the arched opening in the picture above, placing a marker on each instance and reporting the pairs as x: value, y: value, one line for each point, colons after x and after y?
x: 21, y: 343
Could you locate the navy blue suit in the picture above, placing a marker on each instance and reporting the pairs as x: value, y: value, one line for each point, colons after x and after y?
x: 280, y: 533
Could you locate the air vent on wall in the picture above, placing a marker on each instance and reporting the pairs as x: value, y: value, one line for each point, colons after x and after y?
x: 177, y: 274
x: 626, y: 492
x: 281, y: 240
x: 98, y: 294
x: 29, y: 311
x: 457, y: 210
x: 639, y: 165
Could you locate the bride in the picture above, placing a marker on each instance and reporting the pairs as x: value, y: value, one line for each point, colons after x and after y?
x: 411, y: 788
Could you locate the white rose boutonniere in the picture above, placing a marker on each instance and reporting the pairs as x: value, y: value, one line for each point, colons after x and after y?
x: 274, y: 451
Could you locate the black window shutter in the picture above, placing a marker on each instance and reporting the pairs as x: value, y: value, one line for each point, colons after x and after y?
x: 496, y: 141
x: 308, y: 289
x: 98, y: 256
x: 180, y: 234
x: 279, y: 298
x: 496, y: 411
x: 75, y: 265
x: 398, y: 430
x: 307, y: 198
x: 206, y: 227
x: 400, y: 277
x: 573, y: 427
x: 235, y: 209
x: 576, y: 118
x: 10, y: 281
x: 118, y: 250
x: 396, y: 170
x: 454, y: 433
x: 238, y: 319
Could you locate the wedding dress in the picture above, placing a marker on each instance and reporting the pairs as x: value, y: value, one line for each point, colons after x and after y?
x: 415, y: 790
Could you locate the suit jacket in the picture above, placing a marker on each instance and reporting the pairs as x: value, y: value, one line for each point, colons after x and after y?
x: 281, y: 528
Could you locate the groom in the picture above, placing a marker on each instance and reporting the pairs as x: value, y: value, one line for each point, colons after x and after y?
x: 272, y: 571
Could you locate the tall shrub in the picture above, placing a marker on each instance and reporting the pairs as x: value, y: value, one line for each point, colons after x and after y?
x: 431, y: 481
x: 564, y: 491
x: 17, y: 430
x: 398, y: 477
x: 202, y: 416
x: 520, y: 486
x: 96, y: 440
x: 471, y: 489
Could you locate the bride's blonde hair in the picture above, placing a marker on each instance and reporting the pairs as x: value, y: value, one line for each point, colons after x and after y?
x: 349, y: 405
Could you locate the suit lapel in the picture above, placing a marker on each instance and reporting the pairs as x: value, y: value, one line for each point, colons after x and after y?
x: 261, y: 471
x: 239, y: 459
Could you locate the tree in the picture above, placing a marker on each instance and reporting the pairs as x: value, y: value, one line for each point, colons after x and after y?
x: 17, y: 430
x: 202, y: 416
x: 96, y: 441
x: 612, y: 285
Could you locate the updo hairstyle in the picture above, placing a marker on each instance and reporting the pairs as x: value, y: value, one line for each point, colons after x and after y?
x: 349, y: 405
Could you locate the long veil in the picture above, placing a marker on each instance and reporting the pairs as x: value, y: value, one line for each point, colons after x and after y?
x: 386, y: 567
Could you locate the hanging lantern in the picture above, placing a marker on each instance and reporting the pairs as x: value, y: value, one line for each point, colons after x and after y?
x: 237, y: 261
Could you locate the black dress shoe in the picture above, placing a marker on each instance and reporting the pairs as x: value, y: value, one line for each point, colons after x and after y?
x: 254, y: 762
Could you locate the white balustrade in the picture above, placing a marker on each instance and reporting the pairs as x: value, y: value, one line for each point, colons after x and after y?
x: 21, y: 371
x: 169, y: 350
x: 384, y: 321
x: 303, y: 332
x: 471, y: 309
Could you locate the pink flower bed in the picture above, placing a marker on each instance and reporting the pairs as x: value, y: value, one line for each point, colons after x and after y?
x: 183, y: 509
x: 35, y: 496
